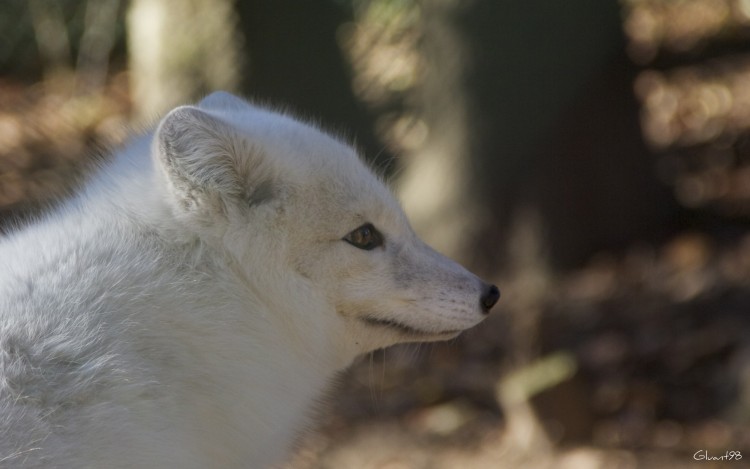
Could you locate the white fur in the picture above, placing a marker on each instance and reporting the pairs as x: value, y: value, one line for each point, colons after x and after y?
x: 191, y: 303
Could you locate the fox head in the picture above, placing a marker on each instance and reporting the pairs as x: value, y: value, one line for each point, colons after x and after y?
x: 302, y: 222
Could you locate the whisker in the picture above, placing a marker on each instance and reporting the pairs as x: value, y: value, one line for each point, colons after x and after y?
x: 371, y: 380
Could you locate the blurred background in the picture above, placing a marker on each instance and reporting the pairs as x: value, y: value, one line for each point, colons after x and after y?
x: 592, y: 157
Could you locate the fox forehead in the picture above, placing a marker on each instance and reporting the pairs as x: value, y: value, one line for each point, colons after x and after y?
x: 286, y: 135
x: 345, y: 193
x: 315, y: 162
x: 327, y: 183
x: 291, y: 140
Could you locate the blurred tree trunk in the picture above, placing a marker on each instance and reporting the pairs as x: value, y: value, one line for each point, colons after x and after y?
x: 564, y: 147
x: 92, y: 64
x: 51, y: 37
x: 180, y: 50
x: 533, y: 157
x: 515, y: 175
x: 295, y: 61
x: 437, y: 186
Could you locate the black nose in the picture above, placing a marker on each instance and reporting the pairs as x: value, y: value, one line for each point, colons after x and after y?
x: 489, y: 298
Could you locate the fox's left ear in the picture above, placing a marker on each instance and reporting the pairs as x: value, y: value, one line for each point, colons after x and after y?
x: 206, y: 162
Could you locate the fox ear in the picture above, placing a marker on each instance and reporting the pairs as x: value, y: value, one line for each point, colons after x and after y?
x: 202, y: 158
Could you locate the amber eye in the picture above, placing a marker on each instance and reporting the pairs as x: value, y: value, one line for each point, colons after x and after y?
x: 365, y: 237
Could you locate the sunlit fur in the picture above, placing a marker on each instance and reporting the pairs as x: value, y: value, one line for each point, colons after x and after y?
x: 190, y: 304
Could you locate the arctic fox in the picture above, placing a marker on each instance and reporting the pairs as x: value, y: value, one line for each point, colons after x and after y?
x: 190, y: 304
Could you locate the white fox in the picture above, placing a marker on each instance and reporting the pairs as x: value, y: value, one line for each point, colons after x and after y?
x: 190, y: 304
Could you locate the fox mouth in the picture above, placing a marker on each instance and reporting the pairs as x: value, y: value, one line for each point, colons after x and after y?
x: 404, y: 329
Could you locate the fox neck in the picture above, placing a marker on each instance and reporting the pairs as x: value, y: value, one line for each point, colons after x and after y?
x: 259, y: 365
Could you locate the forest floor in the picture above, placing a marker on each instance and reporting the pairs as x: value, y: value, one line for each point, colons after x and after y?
x: 636, y: 360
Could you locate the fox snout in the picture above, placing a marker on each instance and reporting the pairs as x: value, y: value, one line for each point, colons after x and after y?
x: 457, y: 285
x: 489, y: 297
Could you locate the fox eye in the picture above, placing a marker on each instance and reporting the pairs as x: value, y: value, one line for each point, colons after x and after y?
x: 365, y: 237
